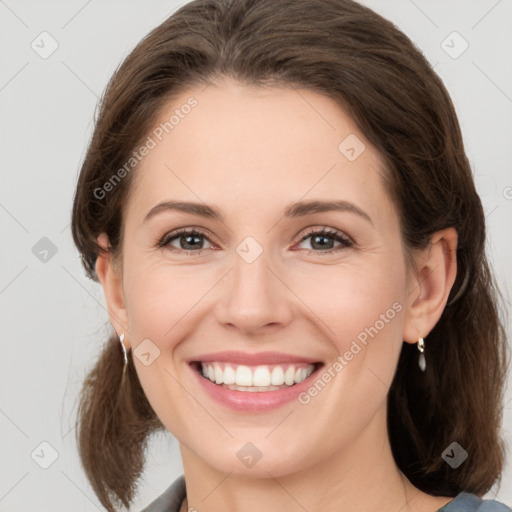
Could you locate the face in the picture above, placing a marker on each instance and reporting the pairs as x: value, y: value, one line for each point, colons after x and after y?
x: 265, y: 285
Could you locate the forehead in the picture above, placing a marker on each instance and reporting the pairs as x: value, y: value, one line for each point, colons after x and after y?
x: 253, y: 147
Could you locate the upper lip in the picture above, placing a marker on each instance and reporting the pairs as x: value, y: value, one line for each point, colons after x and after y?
x: 246, y: 358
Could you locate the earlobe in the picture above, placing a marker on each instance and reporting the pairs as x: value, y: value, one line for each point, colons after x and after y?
x: 111, y: 282
x: 429, y: 290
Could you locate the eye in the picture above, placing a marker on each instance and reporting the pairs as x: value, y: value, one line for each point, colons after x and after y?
x: 187, y: 239
x: 191, y: 240
x: 324, y: 238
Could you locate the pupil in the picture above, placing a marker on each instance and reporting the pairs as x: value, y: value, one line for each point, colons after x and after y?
x: 321, y: 237
x: 318, y: 240
x: 191, y: 237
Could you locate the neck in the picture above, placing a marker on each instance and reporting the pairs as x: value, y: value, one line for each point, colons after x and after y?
x: 361, y: 476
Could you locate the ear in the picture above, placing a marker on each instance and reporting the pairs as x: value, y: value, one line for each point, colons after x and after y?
x: 111, y: 280
x: 429, y: 288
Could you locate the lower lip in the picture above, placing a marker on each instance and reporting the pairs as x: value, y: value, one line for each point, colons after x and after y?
x: 257, y: 401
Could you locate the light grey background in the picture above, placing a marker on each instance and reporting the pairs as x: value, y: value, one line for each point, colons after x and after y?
x: 53, y: 318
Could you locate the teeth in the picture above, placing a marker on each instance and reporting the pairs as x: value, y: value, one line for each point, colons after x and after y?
x: 259, y: 378
x: 243, y: 376
x: 255, y: 388
x: 277, y: 378
x: 229, y: 375
x: 289, y: 376
x: 219, y: 374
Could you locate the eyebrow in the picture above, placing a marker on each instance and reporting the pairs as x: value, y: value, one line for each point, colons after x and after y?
x: 299, y: 209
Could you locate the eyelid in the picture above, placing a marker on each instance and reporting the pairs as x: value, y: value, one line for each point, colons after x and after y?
x: 345, y: 240
x: 325, y: 229
x: 164, y: 240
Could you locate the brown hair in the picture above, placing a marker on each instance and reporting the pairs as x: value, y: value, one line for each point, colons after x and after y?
x: 362, y: 61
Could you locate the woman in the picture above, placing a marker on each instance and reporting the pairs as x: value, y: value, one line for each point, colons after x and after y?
x: 278, y: 206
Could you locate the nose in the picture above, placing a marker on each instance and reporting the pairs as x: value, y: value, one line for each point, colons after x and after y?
x: 254, y: 297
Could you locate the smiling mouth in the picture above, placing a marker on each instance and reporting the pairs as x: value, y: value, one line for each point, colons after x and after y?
x: 258, y: 378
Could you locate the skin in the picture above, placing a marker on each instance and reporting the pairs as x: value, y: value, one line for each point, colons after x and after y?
x: 251, y: 151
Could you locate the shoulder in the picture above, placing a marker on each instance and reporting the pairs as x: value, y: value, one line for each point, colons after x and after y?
x: 170, y: 500
x: 467, y: 502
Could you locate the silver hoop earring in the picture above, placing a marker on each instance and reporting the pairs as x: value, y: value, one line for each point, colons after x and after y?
x: 421, y: 360
x: 121, y: 339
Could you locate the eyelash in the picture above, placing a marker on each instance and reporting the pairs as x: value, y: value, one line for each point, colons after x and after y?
x: 330, y: 233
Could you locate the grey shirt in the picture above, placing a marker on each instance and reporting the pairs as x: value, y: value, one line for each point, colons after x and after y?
x: 173, y: 496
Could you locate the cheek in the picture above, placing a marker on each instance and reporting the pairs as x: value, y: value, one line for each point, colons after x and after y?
x: 160, y: 303
x: 363, y: 309
x: 159, y: 298
x: 350, y: 297
x: 360, y: 310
